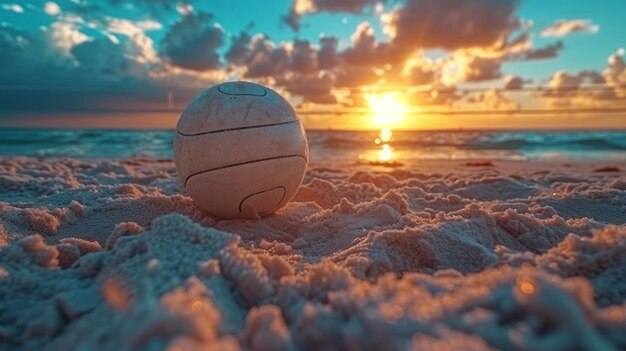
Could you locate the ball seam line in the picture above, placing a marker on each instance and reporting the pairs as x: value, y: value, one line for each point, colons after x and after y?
x: 219, y: 88
x: 264, y: 191
x: 236, y: 128
x: 244, y: 163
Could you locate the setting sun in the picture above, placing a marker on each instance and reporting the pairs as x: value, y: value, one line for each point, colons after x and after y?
x: 387, y: 109
x: 387, y: 112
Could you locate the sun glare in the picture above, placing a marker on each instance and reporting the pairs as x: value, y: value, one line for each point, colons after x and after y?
x: 387, y: 112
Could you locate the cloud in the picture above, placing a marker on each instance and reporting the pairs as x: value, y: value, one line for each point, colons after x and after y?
x: 445, y: 95
x: 591, y: 77
x: 17, y: 8
x: 615, y: 73
x: 478, y: 69
x: 451, y: 24
x: 293, y: 66
x: 303, y: 57
x: 52, y: 8
x: 193, y: 41
x: 315, y: 88
x: 265, y: 59
x: 104, y: 59
x: 366, y: 50
x: 154, y: 5
x: 302, y: 7
x: 573, y: 89
x: 313, y: 6
x: 546, y: 52
x: 140, y: 46
x: 65, y: 36
x: 564, y: 81
x: 494, y: 100
x: 327, y: 56
x: 513, y: 83
x: 520, y: 47
x: 352, y: 77
x: 63, y: 69
x: 238, y: 50
x: 563, y: 27
x: 419, y: 70
x: 463, y: 66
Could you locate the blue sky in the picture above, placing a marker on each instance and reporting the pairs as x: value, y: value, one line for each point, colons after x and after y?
x: 119, y: 55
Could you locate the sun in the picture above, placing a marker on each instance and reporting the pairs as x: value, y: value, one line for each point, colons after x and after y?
x: 387, y: 109
x: 387, y: 112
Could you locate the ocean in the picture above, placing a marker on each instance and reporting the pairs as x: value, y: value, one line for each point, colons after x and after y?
x: 345, y: 146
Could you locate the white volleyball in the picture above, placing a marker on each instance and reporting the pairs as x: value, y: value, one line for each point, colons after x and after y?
x: 240, y: 150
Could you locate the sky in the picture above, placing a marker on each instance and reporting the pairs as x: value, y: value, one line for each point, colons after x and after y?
x: 441, y: 64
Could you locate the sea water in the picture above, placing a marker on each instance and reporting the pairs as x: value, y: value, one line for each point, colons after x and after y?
x: 331, y: 145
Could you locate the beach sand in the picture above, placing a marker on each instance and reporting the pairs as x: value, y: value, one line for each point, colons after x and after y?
x: 436, y: 255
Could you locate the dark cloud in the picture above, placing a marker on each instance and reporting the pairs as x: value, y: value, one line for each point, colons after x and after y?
x: 104, y: 58
x: 265, y: 59
x: 238, y: 50
x: 51, y: 70
x: 351, y: 77
x: 193, y: 41
x: 546, y: 52
x: 564, y: 27
x: 478, y: 69
x: 513, y: 83
x: 327, y: 57
x: 315, y: 88
x: 292, y: 19
x: 301, y: 7
x: 451, y: 24
x: 293, y: 66
x: 421, y: 75
x: 303, y: 57
x: 366, y: 50
x: 591, y: 77
x: 419, y: 70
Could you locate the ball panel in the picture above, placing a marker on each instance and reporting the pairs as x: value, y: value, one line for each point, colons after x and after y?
x: 222, y: 191
x: 241, y: 88
x: 213, y: 110
x: 194, y: 154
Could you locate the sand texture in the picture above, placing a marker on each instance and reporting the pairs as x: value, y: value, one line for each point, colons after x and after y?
x: 440, y: 255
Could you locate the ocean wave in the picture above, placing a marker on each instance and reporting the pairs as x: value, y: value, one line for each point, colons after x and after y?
x: 592, y: 141
x: 589, y: 141
x: 472, y: 144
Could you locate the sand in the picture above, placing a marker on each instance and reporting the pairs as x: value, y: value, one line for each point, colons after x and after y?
x: 445, y: 255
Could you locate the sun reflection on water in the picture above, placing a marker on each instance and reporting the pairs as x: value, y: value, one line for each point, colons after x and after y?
x: 387, y: 112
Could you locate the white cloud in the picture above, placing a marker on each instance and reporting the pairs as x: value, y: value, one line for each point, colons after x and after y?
x: 140, y: 46
x: 66, y: 35
x: 51, y: 8
x: 184, y: 9
x: 13, y: 7
x: 563, y: 27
